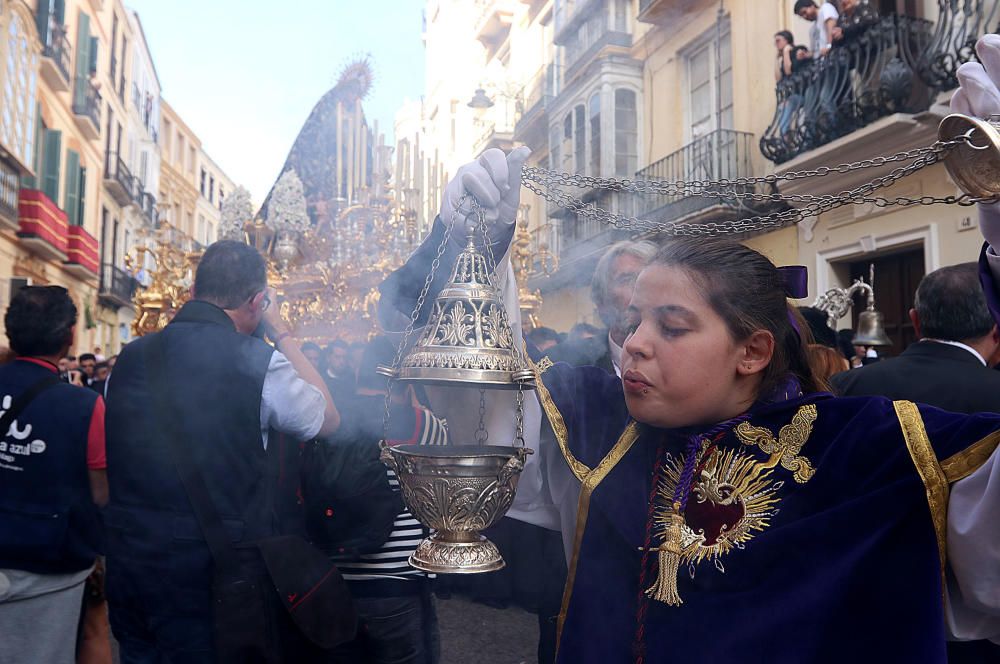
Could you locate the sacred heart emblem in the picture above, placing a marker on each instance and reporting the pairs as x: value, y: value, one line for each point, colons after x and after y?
x: 714, y: 508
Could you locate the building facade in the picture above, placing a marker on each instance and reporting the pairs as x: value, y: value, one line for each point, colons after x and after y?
x: 213, y: 187
x: 662, y: 90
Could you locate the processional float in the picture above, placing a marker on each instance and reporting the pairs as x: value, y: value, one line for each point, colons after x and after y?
x: 460, y: 490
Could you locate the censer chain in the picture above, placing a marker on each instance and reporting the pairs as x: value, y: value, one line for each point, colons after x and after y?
x: 546, y: 183
x: 421, y: 299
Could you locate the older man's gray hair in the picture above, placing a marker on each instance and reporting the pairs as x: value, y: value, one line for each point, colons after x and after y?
x: 601, y: 282
x: 951, y: 304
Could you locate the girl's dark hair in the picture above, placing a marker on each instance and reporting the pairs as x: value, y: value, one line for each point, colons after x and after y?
x: 787, y: 36
x: 748, y: 292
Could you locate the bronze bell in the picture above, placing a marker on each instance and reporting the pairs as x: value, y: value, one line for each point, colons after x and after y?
x: 468, y: 338
x: 871, y: 329
x: 975, y: 164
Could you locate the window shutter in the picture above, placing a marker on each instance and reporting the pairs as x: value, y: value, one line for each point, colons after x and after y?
x: 59, y: 7
x: 83, y: 197
x: 50, y: 164
x: 92, y: 61
x: 82, y: 59
x: 42, y: 21
x: 31, y: 181
x: 72, y: 203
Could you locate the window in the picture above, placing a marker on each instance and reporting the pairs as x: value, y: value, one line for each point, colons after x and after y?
x: 580, y: 138
x: 567, y: 143
x: 17, y: 102
x: 626, y: 133
x: 710, y: 86
x: 51, y: 154
x: 595, y: 135
x: 114, y: 40
x: 201, y: 187
x: 222, y: 196
x: 211, y: 189
x: 76, y: 182
x: 202, y: 230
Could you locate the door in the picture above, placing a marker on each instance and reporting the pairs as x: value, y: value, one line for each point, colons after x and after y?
x: 896, y: 278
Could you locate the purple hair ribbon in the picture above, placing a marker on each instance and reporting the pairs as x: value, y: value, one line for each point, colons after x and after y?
x: 796, y: 279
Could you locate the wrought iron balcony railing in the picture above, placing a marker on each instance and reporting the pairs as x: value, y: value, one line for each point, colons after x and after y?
x: 56, y: 48
x: 87, y: 101
x: 898, y: 64
x: 117, y: 286
x: 721, y: 154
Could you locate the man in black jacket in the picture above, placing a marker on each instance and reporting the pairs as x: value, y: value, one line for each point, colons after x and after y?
x: 233, y: 395
x: 947, y: 367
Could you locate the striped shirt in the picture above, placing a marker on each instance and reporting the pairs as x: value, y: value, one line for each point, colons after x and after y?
x: 392, y: 560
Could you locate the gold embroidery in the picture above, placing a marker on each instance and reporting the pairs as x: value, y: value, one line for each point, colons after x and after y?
x: 558, y: 424
x: 925, y: 460
x: 786, y: 448
x: 590, y: 483
x: 543, y: 365
x: 961, y: 465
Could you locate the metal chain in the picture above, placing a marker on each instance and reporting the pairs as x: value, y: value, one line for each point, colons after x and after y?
x: 546, y: 183
x: 482, y: 435
x: 816, y: 205
x: 421, y: 299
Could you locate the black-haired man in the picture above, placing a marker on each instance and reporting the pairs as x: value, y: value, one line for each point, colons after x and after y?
x: 230, y: 393
x: 824, y: 22
x: 88, y: 366
x: 947, y: 367
x: 52, y: 477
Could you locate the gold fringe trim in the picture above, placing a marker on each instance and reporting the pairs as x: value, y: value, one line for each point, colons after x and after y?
x: 961, y: 465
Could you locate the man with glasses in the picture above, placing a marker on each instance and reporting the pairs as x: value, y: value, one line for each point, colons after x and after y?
x: 231, y: 394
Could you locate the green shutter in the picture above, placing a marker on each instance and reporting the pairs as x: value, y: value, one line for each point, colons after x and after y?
x: 50, y: 164
x: 42, y: 21
x: 72, y: 203
x: 31, y: 181
x: 83, y: 196
x: 82, y: 60
x: 93, y: 56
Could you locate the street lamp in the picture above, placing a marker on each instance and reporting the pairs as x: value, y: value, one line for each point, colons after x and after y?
x: 480, y: 101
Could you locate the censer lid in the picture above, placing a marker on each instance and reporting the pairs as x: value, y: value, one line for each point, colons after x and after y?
x: 974, y: 165
x: 468, y: 338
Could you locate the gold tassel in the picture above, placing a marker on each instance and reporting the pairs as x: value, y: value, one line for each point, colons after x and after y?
x: 665, y: 588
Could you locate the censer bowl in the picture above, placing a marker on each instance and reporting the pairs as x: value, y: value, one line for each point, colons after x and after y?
x: 458, y: 491
x: 974, y: 165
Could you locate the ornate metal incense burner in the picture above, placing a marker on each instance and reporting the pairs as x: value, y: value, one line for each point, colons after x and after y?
x: 974, y: 164
x: 458, y: 491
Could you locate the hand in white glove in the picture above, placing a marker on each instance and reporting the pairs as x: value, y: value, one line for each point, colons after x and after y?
x: 978, y: 95
x: 494, y: 181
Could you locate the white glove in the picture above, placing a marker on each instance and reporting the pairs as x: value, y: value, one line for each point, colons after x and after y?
x: 494, y: 181
x: 978, y: 95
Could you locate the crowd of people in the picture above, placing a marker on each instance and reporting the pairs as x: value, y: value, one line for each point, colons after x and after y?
x: 214, y: 493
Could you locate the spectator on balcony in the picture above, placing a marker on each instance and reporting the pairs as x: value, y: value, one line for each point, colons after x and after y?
x: 824, y: 20
x: 791, y: 58
x: 856, y: 16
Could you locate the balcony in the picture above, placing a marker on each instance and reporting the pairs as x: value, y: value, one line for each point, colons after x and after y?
x: 663, y: 12
x: 54, y: 67
x: 148, y: 207
x: 119, y: 181
x: 531, y: 127
x: 894, y: 68
x: 42, y: 226
x: 82, y: 259
x: 569, y: 15
x: 582, y: 240
x: 117, y: 287
x: 87, y: 108
x: 494, y: 23
x: 721, y: 154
